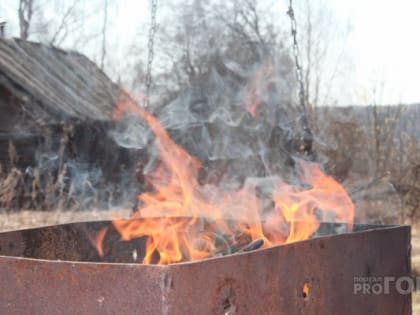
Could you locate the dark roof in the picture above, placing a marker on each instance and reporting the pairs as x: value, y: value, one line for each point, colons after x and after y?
x: 55, y: 85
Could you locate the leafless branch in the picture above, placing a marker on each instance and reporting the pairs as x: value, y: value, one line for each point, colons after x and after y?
x: 104, y: 27
x: 25, y: 12
x: 63, y: 24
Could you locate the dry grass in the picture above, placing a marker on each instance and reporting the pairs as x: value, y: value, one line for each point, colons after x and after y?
x: 416, y: 303
x: 415, y: 265
x: 27, y: 218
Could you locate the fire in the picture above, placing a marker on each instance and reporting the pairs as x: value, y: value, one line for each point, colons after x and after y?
x: 305, y: 291
x: 258, y: 85
x: 99, y: 240
x: 184, y: 220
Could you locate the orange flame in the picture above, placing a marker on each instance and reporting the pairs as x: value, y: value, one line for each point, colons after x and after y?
x: 99, y: 241
x: 186, y: 220
x: 256, y: 87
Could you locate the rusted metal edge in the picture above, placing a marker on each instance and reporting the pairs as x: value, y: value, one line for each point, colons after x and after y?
x: 265, y: 281
x: 357, y: 228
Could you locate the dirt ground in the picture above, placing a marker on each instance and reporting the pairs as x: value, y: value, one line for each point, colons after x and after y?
x: 28, y: 219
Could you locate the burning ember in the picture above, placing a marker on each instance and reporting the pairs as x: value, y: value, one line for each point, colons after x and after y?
x: 188, y: 221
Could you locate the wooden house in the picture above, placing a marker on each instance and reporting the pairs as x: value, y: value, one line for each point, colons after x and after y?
x: 55, y: 117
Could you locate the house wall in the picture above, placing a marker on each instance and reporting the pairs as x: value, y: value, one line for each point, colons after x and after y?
x: 16, y: 129
x: 7, y: 113
x: 73, y: 164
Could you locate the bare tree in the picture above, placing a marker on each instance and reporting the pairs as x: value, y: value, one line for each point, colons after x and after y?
x: 200, y: 34
x: 65, y: 23
x: 383, y: 129
x: 104, y: 28
x: 61, y: 31
x: 25, y: 12
x: 322, y: 43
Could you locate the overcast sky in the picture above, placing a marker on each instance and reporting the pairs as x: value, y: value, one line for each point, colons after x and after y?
x: 382, y: 44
